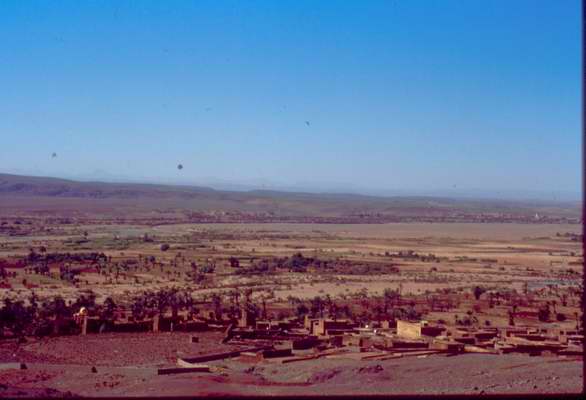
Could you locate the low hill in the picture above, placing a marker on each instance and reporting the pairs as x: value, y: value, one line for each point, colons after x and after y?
x: 27, y: 193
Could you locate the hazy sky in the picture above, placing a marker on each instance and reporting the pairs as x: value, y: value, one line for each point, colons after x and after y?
x: 398, y: 94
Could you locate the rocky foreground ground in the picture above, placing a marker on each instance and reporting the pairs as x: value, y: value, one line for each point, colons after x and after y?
x: 127, y: 364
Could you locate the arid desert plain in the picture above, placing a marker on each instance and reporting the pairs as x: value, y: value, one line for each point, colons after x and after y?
x: 158, y: 302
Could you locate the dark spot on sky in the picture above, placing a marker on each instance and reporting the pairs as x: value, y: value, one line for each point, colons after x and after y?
x: 180, y: 166
x: 307, y: 123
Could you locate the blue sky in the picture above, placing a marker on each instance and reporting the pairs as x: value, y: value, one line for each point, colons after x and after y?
x: 411, y: 95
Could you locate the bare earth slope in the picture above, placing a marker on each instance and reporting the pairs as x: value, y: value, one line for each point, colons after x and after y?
x: 132, y: 371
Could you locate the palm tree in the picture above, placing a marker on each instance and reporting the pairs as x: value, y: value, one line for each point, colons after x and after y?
x: 293, y: 301
x: 301, y: 310
x: 137, y: 310
x: 59, y: 309
x: 379, y: 312
x: 334, y: 311
x: 217, y: 303
x: 347, y: 311
x: 389, y: 296
x: 162, y: 301
x: 176, y: 302
x: 328, y: 303
x: 235, y: 297
x: 108, y: 309
x: 317, y: 306
x: 264, y: 307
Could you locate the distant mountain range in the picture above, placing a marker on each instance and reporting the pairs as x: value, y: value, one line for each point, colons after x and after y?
x: 41, y: 192
x: 456, y: 191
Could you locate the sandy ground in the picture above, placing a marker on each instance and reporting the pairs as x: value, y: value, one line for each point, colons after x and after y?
x: 464, y: 374
x: 112, y: 349
x: 126, y: 365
